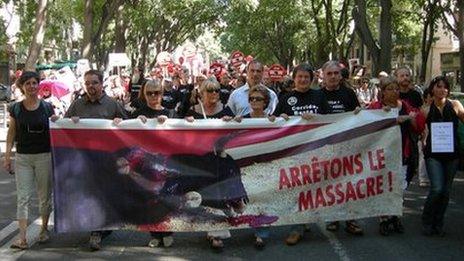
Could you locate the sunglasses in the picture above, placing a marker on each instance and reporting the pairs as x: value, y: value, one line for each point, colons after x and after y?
x: 212, y: 90
x: 153, y: 93
x: 255, y: 98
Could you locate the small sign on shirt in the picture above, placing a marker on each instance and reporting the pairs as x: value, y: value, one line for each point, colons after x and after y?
x: 442, y: 137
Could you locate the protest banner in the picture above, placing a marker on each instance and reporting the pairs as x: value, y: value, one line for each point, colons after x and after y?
x: 211, y: 175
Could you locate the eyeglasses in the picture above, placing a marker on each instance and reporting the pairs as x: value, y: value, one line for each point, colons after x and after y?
x: 212, y: 90
x: 255, y: 98
x: 153, y: 93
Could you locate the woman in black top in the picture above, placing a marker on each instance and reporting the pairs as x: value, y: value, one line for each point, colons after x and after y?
x: 441, y: 160
x: 209, y: 105
x: 151, y: 98
x: 29, y: 128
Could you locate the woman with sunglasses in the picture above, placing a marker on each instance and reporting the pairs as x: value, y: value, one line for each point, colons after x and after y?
x: 209, y: 105
x: 441, y: 161
x: 29, y: 129
x: 151, y: 98
x: 259, y: 98
x: 411, y: 121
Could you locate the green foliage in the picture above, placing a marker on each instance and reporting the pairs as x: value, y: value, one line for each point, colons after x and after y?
x: 269, y: 31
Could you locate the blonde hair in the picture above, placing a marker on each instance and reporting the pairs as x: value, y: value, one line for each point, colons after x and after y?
x: 155, y: 84
x: 210, y: 83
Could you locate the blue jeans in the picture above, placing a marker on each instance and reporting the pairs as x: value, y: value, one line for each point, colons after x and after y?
x: 441, y: 174
x: 262, y: 232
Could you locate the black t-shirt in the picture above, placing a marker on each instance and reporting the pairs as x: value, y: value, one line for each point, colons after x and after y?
x: 341, y: 100
x: 413, y: 97
x: 225, y: 92
x: 225, y: 112
x: 297, y: 103
x: 32, y: 128
x: 185, y: 94
x: 171, y: 98
x: 150, y: 113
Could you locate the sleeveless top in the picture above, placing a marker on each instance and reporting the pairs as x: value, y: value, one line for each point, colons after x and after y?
x: 449, y: 115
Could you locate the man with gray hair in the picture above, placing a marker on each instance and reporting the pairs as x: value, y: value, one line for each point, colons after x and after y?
x: 341, y: 99
x: 238, y: 100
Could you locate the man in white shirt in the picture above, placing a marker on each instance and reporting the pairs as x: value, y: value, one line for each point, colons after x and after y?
x: 238, y: 100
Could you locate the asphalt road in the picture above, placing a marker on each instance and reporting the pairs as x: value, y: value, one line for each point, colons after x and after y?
x: 316, y: 245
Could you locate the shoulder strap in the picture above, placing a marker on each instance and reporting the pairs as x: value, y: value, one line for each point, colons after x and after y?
x: 47, y: 107
x: 16, y: 109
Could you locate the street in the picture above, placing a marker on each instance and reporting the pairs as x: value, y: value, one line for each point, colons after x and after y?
x: 318, y: 244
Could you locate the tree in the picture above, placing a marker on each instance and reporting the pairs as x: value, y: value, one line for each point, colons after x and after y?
x: 431, y: 15
x: 268, y: 31
x: 453, y: 16
x: 96, y: 26
x: 381, y: 50
x: 38, y: 35
x: 171, y: 24
x: 289, y: 31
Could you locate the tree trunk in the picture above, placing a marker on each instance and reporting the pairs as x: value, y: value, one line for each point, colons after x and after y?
x: 385, y: 37
x: 365, y: 34
x: 87, y: 46
x: 460, y: 31
x: 120, y: 32
x: 38, y: 35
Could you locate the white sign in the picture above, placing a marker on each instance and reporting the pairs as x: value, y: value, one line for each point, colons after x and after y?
x: 118, y: 59
x: 442, y: 137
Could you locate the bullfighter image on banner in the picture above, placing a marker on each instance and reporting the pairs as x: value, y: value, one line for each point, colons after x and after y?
x: 211, y: 175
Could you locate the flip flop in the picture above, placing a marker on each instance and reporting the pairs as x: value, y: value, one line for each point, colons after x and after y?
x: 21, y: 245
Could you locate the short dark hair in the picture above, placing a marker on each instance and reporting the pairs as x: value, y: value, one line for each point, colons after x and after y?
x: 25, y: 76
x: 95, y: 72
x: 305, y: 68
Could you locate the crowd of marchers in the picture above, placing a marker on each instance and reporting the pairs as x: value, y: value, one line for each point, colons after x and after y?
x: 233, y: 97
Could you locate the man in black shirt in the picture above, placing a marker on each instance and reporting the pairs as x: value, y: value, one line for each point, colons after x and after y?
x: 414, y: 98
x: 302, y: 100
x: 340, y: 99
x: 226, y: 88
x: 171, y: 96
x: 407, y: 92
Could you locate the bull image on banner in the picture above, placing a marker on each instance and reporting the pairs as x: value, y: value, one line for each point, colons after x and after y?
x: 210, y: 175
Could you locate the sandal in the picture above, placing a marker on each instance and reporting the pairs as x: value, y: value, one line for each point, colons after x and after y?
x: 216, y: 244
x: 19, y: 244
x: 44, y: 236
x: 293, y: 238
x: 332, y: 226
x: 353, y: 228
x: 259, y: 243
